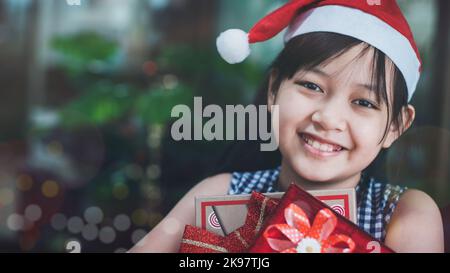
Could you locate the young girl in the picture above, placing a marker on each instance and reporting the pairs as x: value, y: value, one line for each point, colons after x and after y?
x: 342, y: 86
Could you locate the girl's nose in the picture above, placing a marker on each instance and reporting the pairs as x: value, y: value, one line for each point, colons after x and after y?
x: 329, y: 119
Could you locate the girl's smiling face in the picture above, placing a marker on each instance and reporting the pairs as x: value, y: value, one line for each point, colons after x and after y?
x: 331, y: 125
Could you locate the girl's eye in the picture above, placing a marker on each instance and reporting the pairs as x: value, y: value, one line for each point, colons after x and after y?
x: 310, y: 86
x: 365, y: 103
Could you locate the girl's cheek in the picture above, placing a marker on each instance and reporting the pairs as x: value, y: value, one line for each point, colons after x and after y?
x: 293, y: 106
x: 366, y: 132
x: 291, y: 113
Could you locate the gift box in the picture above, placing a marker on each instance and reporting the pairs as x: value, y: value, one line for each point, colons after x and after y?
x: 198, y: 240
x: 224, y: 214
x: 303, y: 224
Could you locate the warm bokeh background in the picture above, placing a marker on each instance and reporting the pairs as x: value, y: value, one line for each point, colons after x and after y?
x: 86, y: 94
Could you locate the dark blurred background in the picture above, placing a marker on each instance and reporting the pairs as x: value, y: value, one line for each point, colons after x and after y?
x: 86, y: 97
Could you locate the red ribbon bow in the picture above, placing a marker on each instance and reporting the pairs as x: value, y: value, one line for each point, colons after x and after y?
x: 304, y: 238
x: 197, y: 240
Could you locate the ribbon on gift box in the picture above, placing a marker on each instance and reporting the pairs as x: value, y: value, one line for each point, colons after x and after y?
x: 296, y: 209
x: 304, y: 238
x: 197, y: 240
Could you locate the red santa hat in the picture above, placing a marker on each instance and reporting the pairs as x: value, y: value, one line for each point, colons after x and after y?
x: 379, y: 23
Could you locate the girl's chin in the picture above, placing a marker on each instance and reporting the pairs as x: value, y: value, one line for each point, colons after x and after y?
x: 319, y: 174
x: 317, y: 178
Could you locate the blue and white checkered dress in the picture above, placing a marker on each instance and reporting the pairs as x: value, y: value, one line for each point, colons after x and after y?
x: 376, y: 200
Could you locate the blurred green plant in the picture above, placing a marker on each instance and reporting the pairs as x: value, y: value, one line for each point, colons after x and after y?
x: 85, y: 51
x: 106, y: 102
x: 199, y: 72
x: 210, y: 76
x: 155, y: 106
x: 103, y: 101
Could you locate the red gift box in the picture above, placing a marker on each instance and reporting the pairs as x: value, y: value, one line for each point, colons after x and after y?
x: 197, y: 240
x: 301, y: 223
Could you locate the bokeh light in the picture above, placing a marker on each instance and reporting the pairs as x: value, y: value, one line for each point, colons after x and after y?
x: 6, y: 196
x: 75, y: 224
x: 150, y: 68
x: 134, y: 171
x: 90, y: 232
x: 122, y: 222
x: 59, y: 221
x: 33, y: 212
x: 93, y: 215
x: 15, y: 222
x: 24, y: 182
x: 139, y: 217
x: 170, y: 82
x: 153, y: 172
x: 120, y: 191
x: 107, y: 235
x: 50, y: 189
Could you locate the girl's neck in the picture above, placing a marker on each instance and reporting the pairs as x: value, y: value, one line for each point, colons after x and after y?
x: 288, y: 176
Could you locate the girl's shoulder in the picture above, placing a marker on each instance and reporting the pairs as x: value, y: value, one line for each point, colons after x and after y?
x: 416, y: 202
x: 416, y: 224
x: 214, y: 185
x: 388, y: 211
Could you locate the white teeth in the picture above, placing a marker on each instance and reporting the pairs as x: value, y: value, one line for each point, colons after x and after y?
x: 320, y: 146
x: 326, y: 148
x: 316, y: 145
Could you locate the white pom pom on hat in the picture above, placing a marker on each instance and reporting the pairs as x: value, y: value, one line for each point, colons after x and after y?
x: 233, y: 46
x: 380, y: 25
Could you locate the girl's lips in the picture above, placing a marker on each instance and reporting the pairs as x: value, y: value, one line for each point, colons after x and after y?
x: 317, y: 152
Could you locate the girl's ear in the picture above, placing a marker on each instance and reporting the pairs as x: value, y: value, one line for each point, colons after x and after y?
x: 409, y: 114
x: 271, y: 97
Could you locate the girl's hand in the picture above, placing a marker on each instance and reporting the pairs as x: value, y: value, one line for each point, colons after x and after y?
x: 416, y: 225
x: 167, y: 235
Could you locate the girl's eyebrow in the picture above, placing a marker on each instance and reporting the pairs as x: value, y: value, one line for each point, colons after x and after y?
x: 318, y: 71
x: 369, y: 87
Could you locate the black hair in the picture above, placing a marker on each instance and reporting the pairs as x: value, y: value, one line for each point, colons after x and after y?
x: 305, y: 52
